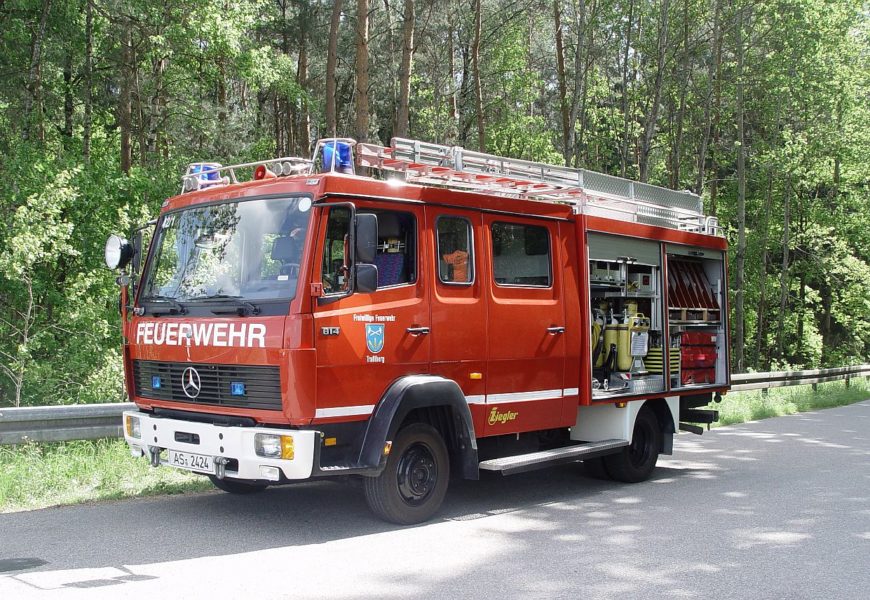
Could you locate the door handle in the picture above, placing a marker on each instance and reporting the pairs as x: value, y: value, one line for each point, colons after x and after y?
x: 555, y: 329
x: 415, y: 331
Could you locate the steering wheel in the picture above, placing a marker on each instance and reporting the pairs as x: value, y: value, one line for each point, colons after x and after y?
x: 290, y: 269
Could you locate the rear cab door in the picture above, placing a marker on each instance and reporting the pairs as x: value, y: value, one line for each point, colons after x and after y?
x: 526, y: 372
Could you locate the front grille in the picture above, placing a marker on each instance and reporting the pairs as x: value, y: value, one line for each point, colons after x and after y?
x: 262, y: 385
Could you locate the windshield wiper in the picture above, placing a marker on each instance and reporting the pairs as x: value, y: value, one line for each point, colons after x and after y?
x: 174, y: 305
x: 241, y: 305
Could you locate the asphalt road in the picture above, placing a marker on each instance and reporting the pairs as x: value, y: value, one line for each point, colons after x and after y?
x: 773, y: 509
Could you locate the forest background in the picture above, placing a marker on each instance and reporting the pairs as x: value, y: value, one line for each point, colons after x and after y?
x: 763, y: 107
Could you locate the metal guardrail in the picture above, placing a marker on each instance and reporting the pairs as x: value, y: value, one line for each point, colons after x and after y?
x: 93, y: 421
x: 743, y: 382
x: 61, y: 423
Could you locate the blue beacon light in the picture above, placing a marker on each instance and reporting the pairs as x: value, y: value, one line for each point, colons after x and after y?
x: 237, y: 388
x: 337, y: 156
x: 155, y: 382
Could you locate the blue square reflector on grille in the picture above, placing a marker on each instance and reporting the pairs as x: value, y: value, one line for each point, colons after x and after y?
x: 155, y: 382
x: 237, y: 388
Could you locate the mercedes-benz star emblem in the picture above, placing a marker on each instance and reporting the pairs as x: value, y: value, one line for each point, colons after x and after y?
x: 190, y: 383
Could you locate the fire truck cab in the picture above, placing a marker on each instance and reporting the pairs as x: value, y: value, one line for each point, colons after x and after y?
x: 456, y: 312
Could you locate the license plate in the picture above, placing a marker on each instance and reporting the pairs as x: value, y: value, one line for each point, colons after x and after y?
x: 191, y: 462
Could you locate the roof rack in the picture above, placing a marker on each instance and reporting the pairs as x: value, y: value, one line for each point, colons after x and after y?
x: 589, y: 192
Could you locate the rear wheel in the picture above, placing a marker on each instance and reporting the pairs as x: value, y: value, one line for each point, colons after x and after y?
x: 234, y: 486
x: 636, y: 461
x: 413, y: 484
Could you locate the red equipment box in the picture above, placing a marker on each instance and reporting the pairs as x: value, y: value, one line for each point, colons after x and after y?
x: 698, y: 357
x: 697, y: 376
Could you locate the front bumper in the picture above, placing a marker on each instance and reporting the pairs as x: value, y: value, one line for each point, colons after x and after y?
x: 233, y: 446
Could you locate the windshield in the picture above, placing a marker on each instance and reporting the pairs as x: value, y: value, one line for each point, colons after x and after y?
x: 249, y: 249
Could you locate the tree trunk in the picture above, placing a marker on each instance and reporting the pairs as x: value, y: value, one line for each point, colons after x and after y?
x: 478, y: 86
x: 158, y: 68
x: 88, y: 75
x: 304, y: 132
x: 626, y: 121
x: 783, y: 282
x: 563, y: 87
x: 33, y: 97
x: 712, y: 73
x: 124, y: 109
x: 681, y: 111
x: 762, y: 301
x: 453, y: 106
x: 652, y: 116
x: 67, y: 96
x: 739, y: 315
x: 331, y: 59
x: 403, y: 114
x: 279, y: 130
x: 362, y: 71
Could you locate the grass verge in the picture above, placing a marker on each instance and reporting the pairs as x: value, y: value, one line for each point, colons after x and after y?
x: 739, y: 407
x: 41, y: 475
x: 37, y: 475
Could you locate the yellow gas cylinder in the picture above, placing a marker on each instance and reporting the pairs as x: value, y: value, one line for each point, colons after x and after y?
x: 610, y: 337
x: 623, y: 347
x: 597, y: 326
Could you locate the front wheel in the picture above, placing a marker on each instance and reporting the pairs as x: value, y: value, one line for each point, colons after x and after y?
x: 636, y: 462
x: 413, y: 484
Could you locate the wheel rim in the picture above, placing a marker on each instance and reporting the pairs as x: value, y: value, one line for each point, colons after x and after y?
x: 641, y: 448
x: 417, y: 474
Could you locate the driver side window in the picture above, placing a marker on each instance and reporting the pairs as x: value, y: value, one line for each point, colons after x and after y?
x: 335, y: 272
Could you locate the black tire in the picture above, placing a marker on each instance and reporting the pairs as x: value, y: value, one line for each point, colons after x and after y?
x: 413, y: 484
x: 594, y: 468
x: 636, y: 462
x: 234, y: 486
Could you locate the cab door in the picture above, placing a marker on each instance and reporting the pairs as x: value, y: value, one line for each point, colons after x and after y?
x: 526, y: 334
x: 459, y: 315
x: 365, y: 341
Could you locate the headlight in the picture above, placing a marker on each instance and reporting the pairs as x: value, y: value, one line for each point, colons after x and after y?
x: 270, y: 445
x: 118, y: 252
x: 131, y: 426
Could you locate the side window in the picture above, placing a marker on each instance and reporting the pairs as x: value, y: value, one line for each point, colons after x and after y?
x: 521, y: 255
x: 455, y: 253
x: 397, y: 248
x: 335, y: 250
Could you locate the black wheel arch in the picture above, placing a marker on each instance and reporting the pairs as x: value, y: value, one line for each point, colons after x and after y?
x: 429, y: 399
x: 665, y: 419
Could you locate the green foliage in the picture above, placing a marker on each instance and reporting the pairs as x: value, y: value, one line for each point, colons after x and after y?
x: 740, y: 407
x: 225, y: 81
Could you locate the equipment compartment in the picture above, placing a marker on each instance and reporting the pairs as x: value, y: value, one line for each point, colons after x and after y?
x: 697, y: 355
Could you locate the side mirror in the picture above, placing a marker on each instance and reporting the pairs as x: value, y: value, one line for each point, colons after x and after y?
x: 118, y: 253
x: 366, y: 278
x: 137, y: 252
x: 366, y: 238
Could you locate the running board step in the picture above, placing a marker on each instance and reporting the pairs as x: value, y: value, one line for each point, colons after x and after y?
x: 521, y: 463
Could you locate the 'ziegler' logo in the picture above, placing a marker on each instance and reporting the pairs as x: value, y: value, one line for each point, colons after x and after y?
x: 375, y: 338
x: 497, y: 417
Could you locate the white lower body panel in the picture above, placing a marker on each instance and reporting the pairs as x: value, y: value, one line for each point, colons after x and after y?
x: 225, y: 442
x: 610, y: 421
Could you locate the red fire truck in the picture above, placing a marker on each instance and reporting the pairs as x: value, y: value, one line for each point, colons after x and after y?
x: 403, y: 314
